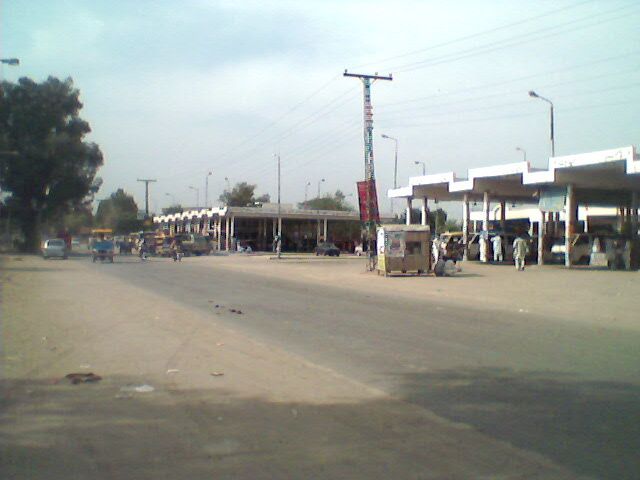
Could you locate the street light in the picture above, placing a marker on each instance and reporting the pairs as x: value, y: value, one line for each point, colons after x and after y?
x: 553, y: 145
x: 306, y: 191
x: 173, y: 198
x: 226, y: 179
x: 206, y: 190
x: 197, y: 195
x: 424, y: 166
x: 395, y: 166
x: 10, y: 61
x: 319, y: 182
x: 524, y: 152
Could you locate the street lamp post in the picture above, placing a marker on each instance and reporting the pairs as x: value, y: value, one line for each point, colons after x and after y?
x: 424, y: 166
x: 197, y: 195
x: 206, y: 190
x: 524, y: 152
x: 319, y: 183
x: 395, y: 166
x: 306, y: 192
x: 226, y: 179
x: 173, y: 198
x: 553, y: 145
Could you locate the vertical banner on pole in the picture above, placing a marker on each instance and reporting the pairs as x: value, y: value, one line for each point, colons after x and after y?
x: 368, y: 201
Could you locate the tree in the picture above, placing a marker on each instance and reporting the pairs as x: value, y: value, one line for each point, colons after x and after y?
x: 337, y: 201
x: 177, y: 208
x: 45, y: 164
x: 242, y: 195
x: 119, y: 212
x: 437, y: 219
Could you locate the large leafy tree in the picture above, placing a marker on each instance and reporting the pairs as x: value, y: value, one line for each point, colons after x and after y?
x: 118, y: 212
x: 242, y: 195
x: 45, y: 164
x: 337, y: 201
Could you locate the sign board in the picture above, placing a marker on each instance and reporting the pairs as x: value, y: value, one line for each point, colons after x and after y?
x: 552, y: 200
x: 368, y: 201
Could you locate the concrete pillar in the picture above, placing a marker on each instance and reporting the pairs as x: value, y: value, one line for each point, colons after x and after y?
x: 409, y: 201
x: 503, y: 215
x: 318, y: 232
x: 280, y: 229
x: 541, y: 238
x: 227, y: 231
x: 219, y: 229
x: 465, y: 225
x: 424, y: 212
x: 634, y: 215
x: 569, y: 223
x: 325, y: 230
x: 486, y: 205
x: 233, y: 231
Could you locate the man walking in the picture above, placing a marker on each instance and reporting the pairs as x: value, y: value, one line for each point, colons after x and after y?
x: 520, y: 250
x: 497, y: 248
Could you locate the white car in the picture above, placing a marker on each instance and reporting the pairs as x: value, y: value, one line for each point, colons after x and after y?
x: 54, y: 247
x: 581, y: 248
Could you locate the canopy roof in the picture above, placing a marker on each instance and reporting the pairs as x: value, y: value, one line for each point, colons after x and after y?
x: 606, y: 177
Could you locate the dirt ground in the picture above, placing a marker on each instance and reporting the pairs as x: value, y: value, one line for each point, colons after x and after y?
x: 183, y: 396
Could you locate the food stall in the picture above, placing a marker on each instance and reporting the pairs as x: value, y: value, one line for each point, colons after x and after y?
x: 404, y: 249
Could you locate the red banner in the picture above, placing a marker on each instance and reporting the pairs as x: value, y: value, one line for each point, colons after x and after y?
x: 368, y: 200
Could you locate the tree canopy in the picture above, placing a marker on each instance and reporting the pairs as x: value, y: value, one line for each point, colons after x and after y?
x: 242, y: 195
x: 176, y: 208
x: 45, y: 164
x: 118, y: 212
x: 337, y: 201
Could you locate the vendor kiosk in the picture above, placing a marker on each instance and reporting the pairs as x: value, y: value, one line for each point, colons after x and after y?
x: 404, y: 249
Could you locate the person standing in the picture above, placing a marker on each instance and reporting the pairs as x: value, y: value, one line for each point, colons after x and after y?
x: 520, y: 250
x: 497, y: 248
x: 483, y: 247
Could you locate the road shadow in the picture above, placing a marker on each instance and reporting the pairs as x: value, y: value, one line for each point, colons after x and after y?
x: 590, y: 427
x: 62, y: 431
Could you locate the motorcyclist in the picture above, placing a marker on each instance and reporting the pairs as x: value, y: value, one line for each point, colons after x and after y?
x: 176, y: 250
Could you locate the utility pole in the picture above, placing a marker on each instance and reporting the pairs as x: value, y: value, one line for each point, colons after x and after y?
x: 279, y: 244
x: 370, y: 215
x: 146, y: 194
x: 206, y: 190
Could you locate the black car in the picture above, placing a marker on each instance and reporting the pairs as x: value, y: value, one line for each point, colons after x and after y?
x: 327, y: 249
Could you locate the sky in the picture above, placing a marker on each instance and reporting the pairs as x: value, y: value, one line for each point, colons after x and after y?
x: 176, y: 89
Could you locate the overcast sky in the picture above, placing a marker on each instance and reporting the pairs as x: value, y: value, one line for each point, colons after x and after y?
x: 174, y: 89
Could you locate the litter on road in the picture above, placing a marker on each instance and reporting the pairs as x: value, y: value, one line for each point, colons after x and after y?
x: 217, y: 374
x: 144, y: 388
x: 76, y: 378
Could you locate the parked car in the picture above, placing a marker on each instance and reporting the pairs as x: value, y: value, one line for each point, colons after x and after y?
x: 507, y: 245
x: 193, y: 244
x: 327, y: 249
x: 54, y: 247
x: 102, y: 250
x: 581, y: 248
x: 451, y: 245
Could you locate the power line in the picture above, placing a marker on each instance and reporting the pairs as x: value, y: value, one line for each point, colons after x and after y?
x: 516, y: 40
x: 474, y: 35
x: 513, y: 80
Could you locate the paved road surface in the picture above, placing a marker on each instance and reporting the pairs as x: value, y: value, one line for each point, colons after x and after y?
x: 319, y: 381
x: 564, y: 390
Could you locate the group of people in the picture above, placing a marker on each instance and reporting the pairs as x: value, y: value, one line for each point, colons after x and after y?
x: 520, y: 250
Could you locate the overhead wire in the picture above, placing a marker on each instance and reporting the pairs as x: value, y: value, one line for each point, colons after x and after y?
x: 516, y: 40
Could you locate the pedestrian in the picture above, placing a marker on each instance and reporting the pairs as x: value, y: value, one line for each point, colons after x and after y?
x: 483, y: 247
x: 435, y: 250
x: 520, y: 250
x: 497, y: 248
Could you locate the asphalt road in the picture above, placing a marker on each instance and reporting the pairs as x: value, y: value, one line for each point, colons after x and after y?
x: 565, y: 390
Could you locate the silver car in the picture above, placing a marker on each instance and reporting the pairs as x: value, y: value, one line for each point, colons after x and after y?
x: 54, y: 247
